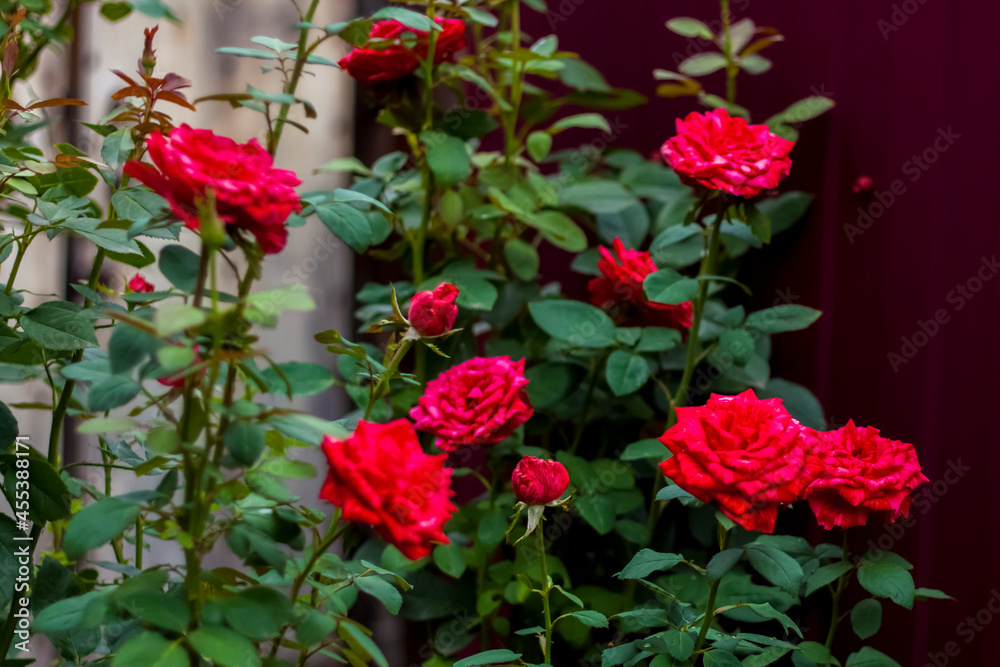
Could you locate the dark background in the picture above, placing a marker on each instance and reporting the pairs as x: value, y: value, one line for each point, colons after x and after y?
x: 898, y: 86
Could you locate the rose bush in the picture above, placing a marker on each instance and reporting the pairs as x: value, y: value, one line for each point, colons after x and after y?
x: 510, y: 386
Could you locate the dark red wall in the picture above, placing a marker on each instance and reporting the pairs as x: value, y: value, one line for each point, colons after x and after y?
x: 902, y: 76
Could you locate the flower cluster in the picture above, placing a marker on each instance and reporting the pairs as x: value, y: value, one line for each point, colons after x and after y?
x: 390, y: 55
x: 619, y: 290
x: 250, y: 194
x: 750, y: 457
x: 720, y: 152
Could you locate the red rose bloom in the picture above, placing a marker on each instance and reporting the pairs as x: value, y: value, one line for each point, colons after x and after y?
x: 619, y: 290
x: 393, y: 59
x: 433, y: 313
x: 747, y: 455
x: 139, y: 284
x: 863, y: 474
x: 725, y: 153
x: 178, y: 378
x: 250, y: 194
x: 380, y: 476
x: 539, y: 482
x: 478, y: 402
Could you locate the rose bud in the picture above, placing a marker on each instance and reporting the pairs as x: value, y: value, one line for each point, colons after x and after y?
x: 433, y: 313
x: 863, y: 185
x: 139, y: 284
x: 539, y: 482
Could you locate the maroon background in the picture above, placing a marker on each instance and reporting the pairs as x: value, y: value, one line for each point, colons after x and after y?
x: 894, y: 93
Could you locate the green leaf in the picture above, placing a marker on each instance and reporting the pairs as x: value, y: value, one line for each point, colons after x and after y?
x: 776, y: 566
x: 245, y: 441
x: 558, y: 229
x: 869, y: 657
x: 8, y: 427
x: 258, y: 613
x: 689, y: 27
x: 492, y: 527
x: 658, y: 339
x: 224, y: 647
x: 594, y: 121
x: 767, y: 611
x: 679, y: 644
x: 737, y: 343
x: 760, y: 224
x: 65, y: 614
x: 450, y: 559
x: 306, y: 379
x: 58, y: 328
x: 447, y: 156
x: 575, y: 322
x: 360, y: 639
x: 817, y: 653
x: 702, y: 64
x: 826, y: 575
x: 592, y: 619
x: 97, y: 524
x: 494, y: 657
x: 722, y: 562
x: 348, y: 224
x: 180, y: 266
x: 522, y: 259
x: 648, y: 561
x: 173, y: 317
x: 644, y: 449
x: 788, y: 317
x: 117, y: 147
x: 785, y: 210
x: 801, y: 111
x: 129, y: 346
x: 381, y: 590
x: 887, y: 580
x: 115, y: 11
x: 598, y: 511
x: 669, y: 287
x: 597, y: 197
x: 719, y: 658
x: 626, y: 372
x: 539, y: 144
x: 407, y: 17
x: 930, y: 594
x: 150, y: 649
x: 866, y: 618
x: 111, y: 239
x: 111, y: 392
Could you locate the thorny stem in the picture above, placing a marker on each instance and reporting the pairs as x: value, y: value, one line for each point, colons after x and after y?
x: 713, y: 592
x: 293, y: 82
x: 546, y: 588
x: 427, y: 173
x: 383, y: 382
x: 731, y: 68
x: 842, y: 583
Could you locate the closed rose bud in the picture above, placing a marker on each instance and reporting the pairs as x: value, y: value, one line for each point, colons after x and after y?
x: 863, y: 185
x: 433, y: 313
x: 139, y: 284
x: 539, y: 482
x: 148, y: 60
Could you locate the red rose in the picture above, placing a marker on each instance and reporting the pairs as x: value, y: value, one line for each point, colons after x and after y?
x: 539, y: 482
x: 250, y: 194
x: 478, y: 402
x: 139, y: 284
x: 863, y: 474
x: 747, y: 455
x: 863, y: 185
x: 619, y: 290
x: 380, y: 476
x: 393, y: 59
x: 433, y: 313
x: 725, y: 153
